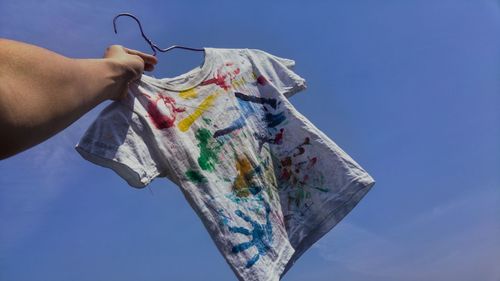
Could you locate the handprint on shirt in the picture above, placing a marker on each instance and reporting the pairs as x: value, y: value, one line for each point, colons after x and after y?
x: 224, y: 76
x: 162, y: 110
x: 261, y: 235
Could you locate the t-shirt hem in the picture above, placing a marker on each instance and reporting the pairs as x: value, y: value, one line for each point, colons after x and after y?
x: 134, y: 177
x: 286, y: 255
x: 362, y: 185
x: 275, y: 272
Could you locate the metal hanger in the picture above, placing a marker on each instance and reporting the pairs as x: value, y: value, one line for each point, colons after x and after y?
x: 151, y: 44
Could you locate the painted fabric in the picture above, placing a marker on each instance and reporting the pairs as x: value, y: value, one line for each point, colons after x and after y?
x: 265, y: 182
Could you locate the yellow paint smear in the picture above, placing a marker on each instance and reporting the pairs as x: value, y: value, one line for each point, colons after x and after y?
x: 238, y: 83
x: 185, y: 123
x: 241, y: 184
x: 188, y: 94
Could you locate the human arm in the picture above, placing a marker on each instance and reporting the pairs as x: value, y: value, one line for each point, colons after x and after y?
x: 42, y: 92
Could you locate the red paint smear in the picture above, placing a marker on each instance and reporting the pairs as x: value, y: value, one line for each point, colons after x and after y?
x: 287, y: 161
x: 219, y: 80
x: 160, y: 120
x: 278, y: 138
x: 312, y: 162
x: 262, y: 80
x: 304, y: 180
x: 285, y: 174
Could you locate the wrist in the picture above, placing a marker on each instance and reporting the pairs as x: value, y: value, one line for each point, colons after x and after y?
x: 119, y: 75
x: 102, y: 79
x: 118, y: 71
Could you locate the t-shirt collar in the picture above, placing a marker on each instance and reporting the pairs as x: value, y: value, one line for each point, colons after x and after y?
x: 187, y: 80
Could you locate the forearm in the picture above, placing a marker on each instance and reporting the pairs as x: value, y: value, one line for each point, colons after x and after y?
x: 42, y: 92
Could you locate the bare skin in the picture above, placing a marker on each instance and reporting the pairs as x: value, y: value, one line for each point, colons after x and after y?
x: 42, y: 92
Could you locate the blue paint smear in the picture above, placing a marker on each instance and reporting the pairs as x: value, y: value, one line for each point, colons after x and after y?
x: 274, y: 120
x: 247, y: 110
x: 261, y: 235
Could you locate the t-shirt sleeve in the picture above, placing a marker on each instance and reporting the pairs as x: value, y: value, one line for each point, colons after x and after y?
x: 277, y: 71
x: 119, y: 140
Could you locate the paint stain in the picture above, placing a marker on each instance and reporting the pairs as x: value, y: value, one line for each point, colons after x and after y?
x: 299, y: 174
x: 277, y: 139
x: 247, y: 110
x: 245, y: 104
x: 237, y: 83
x: 188, y: 94
x: 300, y: 148
x: 195, y: 177
x: 219, y: 80
x: 286, y: 164
x: 208, y: 150
x: 223, y: 80
x: 312, y: 162
x: 241, y: 183
x: 235, y: 125
x: 244, y: 184
x: 261, y: 235
x: 185, y: 123
x: 208, y: 121
x: 274, y: 120
x: 162, y: 111
x: 254, y: 99
x: 261, y: 80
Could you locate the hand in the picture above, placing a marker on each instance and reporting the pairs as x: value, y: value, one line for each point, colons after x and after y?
x: 55, y: 90
x: 133, y: 62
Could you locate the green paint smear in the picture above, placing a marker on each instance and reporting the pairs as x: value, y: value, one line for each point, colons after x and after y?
x: 208, y: 152
x: 195, y: 176
x: 207, y: 120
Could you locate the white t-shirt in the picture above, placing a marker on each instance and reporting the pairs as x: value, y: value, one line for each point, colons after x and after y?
x: 265, y: 182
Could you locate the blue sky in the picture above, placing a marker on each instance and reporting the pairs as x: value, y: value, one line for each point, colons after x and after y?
x: 410, y: 89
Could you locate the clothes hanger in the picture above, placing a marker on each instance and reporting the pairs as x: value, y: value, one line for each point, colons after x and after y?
x: 151, y: 44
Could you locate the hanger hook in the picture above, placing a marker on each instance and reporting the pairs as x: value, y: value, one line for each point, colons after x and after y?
x: 153, y: 46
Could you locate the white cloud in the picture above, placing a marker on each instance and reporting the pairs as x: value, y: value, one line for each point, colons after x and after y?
x: 456, y: 241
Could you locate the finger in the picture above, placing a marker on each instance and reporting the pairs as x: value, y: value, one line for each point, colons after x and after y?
x: 149, y: 67
x: 146, y: 57
x: 114, y: 49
